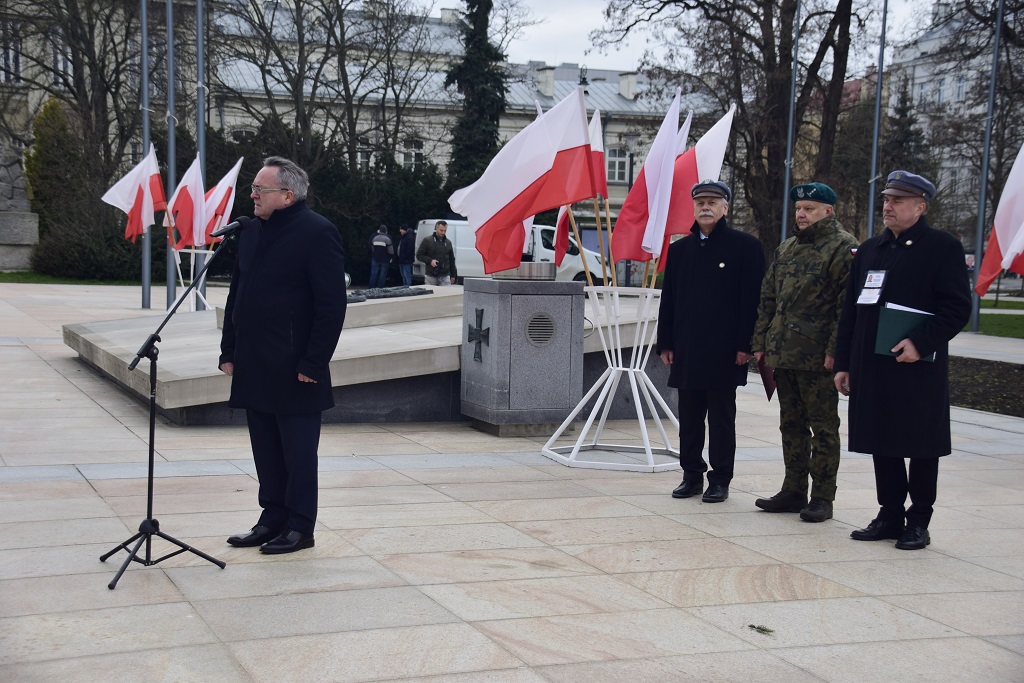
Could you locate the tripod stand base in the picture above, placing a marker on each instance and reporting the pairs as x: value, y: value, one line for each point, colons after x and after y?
x: 613, y: 307
x: 147, y: 530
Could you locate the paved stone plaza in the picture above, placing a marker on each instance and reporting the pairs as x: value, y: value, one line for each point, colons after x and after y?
x: 444, y: 553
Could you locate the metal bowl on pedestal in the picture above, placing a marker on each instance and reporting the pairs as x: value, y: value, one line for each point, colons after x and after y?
x: 528, y: 271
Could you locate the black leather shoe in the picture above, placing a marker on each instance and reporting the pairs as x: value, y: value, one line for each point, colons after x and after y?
x: 689, y: 488
x: 818, y: 510
x: 257, y: 536
x: 783, y: 501
x: 877, y: 530
x: 716, y: 493
x: 288, y: 542
x: 914, y: 538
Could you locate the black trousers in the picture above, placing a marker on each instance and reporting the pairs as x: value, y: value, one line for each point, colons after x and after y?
x: 718, y: 405
x: 894, y: 481
x: 284, y: 448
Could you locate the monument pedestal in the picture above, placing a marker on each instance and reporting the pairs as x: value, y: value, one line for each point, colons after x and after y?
x: 522, y: 354
x: 19, y: 234
x: 19, y: 228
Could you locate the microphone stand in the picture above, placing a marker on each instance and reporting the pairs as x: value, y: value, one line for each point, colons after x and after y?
x: 151, y: 527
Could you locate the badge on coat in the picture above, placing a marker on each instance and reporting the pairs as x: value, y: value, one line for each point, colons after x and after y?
x: 872, y: 290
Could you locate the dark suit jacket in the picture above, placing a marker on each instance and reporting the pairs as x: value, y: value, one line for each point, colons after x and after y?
x: 284, y: 312
x: 709, y: 306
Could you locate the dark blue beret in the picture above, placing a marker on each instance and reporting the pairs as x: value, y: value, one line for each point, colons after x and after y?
x: 907, y: 184
x: 711, y: 188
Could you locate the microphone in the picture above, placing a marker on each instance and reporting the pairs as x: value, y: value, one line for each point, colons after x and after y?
x: 232, y: 228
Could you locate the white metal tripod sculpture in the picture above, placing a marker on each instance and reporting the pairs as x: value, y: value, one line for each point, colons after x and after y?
x: 616, y: 308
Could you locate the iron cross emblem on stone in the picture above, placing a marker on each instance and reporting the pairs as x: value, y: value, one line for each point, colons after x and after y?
x: 478, y: 334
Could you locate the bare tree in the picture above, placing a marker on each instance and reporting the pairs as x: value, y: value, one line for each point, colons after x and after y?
x: 408, y: 72
x: 741, y: 51
x: 324, y: 79
x: 82, y: 54
x: 957, y: 116
x: 509, y: 19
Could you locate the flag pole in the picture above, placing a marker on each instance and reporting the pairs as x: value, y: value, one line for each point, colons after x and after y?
x: 789, y: 128
x: 171, y: 171
x: 611, y: 254
x: 878, y: 119
x: 979, y: 233
x: 147, y: 253
x: 647, y: 269
x: 600, y: 241
x: 200, y: 259
x: 654, y: 271
x: 579, y: 243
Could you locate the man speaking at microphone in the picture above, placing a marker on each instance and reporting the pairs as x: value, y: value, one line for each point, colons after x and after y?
x: 282, y: 321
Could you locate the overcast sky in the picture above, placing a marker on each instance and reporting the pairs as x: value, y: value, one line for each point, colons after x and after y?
x: 566, y: 24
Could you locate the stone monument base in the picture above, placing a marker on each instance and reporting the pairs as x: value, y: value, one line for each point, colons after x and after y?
x: 19, y: 233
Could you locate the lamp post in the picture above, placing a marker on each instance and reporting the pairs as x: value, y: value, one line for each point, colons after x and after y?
x: 630, y: 140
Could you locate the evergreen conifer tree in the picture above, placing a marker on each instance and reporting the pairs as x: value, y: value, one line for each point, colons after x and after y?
x: 480, y: 78
x: 904, y: 146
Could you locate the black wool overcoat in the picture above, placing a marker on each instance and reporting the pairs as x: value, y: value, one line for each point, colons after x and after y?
x: 709, y: 305
x: 901, y: 410
x: 284, y: 312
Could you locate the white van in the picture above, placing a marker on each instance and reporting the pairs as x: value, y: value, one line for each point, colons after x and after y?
x: 539, y: 246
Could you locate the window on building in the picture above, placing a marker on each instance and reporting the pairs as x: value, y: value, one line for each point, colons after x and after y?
x: 940, y: 91
x: 61, y: 64
x: 412, y: 157
x: 922, y: 92
x: 10, y: 43
x: 617, y: 160
x: 364, y: 158
x: 953, y: 187
x: 961, y: 89
x: 243, y: 136
x: 364, y: 153
x: 136, y: 152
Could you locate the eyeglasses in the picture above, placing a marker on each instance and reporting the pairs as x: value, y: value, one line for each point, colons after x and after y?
x: 256, y: 189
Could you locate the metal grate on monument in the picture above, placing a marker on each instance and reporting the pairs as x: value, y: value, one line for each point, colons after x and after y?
x: 540, y: 329
x: 624, y: 318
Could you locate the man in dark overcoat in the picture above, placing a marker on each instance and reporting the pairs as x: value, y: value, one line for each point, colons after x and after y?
x: 282, y: 321
x: 708, y: 308
x: 406, y: 253
x: 899, y: 404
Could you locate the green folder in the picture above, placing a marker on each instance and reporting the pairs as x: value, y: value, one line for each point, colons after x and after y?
x: 895, y: 325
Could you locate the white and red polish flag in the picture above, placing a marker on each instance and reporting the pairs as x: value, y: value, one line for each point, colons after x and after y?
x: 1005, y: 250
x: 218, y: 201
x: 528, y: 222
x: 546, y: 165
x: 599, y: 170
x: 186, y: 209
x: 140, y: 194
x: 701, y: 162
x: 561, y: 234
x: 639, y: 229
x: 597, y: 164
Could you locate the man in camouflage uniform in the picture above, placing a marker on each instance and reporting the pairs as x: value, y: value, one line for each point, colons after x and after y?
x: 797, y: 322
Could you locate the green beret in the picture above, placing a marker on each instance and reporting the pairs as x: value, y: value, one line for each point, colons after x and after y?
x: 813, y: 192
